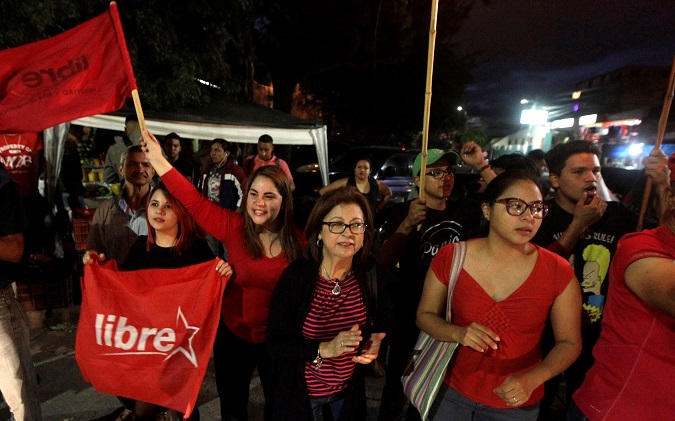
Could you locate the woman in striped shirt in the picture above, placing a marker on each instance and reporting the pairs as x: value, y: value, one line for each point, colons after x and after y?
x: 319, y: 328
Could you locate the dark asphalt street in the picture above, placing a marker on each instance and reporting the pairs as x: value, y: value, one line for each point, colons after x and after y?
x: 65, y: 396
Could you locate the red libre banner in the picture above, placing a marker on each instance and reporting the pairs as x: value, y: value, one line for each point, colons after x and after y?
x: 148, y: 334
x: 78, y: 73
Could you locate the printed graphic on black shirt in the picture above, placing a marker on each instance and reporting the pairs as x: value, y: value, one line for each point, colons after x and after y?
x: 596, y: 258
x: 435, y: 237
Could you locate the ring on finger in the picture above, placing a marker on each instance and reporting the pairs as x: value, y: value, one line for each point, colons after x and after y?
x: 342, y: 344
x: 515, y: 400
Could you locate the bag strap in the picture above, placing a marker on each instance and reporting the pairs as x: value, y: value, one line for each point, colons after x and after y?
x: 458, y: 255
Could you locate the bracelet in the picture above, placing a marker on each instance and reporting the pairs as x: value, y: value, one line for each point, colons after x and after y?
x: 483, y: 168
x: 318, y: 360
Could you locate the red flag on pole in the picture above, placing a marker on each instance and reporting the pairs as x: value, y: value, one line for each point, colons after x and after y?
x: 81, y: 72
x: 148, y: 334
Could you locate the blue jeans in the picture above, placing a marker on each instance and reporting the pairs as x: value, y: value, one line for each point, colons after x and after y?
x: 334, y: 402
x: 450, y: 405
x: 18, y: 383
x: 575, y: 414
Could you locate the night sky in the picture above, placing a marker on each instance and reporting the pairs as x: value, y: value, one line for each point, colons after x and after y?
x: 535, y: 48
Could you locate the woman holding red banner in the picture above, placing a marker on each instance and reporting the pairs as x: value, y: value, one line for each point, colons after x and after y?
x: 260, y: 245
x: 320, y: 329
x: 174, y: 241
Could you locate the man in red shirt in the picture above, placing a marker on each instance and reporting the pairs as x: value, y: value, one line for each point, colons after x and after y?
x: 265, y: 157
x: 19, y: 153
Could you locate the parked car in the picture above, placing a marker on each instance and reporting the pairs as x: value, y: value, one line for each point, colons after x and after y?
x: 391, y: 165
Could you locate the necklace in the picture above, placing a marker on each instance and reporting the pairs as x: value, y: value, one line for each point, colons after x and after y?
x: 336, y: 289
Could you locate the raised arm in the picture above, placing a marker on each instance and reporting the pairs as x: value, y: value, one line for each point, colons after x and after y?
x: 333, y: 186
x: 585, y: 215
x: 392, y: 248
x: 472, y: 155
x: 656, y: 168
x: 153, y: 150
x: 208, y: 215
x: 11, y: 248
x: 386, y: 194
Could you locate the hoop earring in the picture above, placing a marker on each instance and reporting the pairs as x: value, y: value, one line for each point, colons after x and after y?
x: 319, y: 243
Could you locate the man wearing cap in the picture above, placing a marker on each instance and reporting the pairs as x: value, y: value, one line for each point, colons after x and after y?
x: 413, y: 234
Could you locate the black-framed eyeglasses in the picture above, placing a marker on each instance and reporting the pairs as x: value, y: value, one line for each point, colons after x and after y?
x: 517, y: 207
x: 340, y: 227
x: 440, y: 173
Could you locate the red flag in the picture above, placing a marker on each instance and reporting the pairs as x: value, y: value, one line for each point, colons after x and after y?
x: 78, y: 73
x: 148, y: 334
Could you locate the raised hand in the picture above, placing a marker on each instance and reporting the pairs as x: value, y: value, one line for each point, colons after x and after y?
x: 153, y: 151
x: 91, y: 256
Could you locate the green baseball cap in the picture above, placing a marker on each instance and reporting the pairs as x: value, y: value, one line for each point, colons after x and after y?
x: 434, y: 155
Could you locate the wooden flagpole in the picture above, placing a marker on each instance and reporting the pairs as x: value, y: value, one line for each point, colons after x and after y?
x: 139, y: 110
x: 663, y: 121
x: 427, y: 96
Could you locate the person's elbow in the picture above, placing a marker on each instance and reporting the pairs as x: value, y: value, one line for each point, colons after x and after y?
x: 573, y: 346
x: 14, y: 249
x: 422, y: 318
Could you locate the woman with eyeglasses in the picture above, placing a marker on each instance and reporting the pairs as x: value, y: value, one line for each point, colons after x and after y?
x: 504, y: 293
x: 320, y: 332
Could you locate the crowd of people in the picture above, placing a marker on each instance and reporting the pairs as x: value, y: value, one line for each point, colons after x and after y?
x: 553, y: 283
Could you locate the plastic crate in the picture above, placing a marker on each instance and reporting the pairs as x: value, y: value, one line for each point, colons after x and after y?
x: 81, y: 224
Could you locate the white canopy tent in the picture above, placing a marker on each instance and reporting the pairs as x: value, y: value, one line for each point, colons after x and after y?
x: 243, y: 123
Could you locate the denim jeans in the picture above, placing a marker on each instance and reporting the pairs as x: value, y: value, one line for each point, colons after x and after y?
x: 575, y: 414
x: 18, y: 383
x: 450, y: 405
x: 334, y: 402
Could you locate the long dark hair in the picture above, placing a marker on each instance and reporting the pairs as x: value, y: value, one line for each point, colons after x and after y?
x: 290, y: 243
x: 188, y: 230
x: 341, y: 196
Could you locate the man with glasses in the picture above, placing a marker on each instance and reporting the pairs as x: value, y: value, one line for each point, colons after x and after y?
x: 580, y: 225
x: 412, y: 235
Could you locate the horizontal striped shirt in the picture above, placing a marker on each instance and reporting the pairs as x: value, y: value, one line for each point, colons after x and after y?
x: 329, y: 315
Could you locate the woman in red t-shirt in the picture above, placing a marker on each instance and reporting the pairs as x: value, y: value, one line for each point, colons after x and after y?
x: 504, y: 293
x: 260, y: 245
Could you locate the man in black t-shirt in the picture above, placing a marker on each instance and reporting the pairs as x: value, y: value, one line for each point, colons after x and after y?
x: 172, y: 148
x: 413, y: 234
x: 585, y: 229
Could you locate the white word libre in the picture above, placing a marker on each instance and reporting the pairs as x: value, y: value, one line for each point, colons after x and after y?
x: 145, y: 340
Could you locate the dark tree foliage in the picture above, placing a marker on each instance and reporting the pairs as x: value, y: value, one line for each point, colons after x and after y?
x: 170, y: 42
x: 366, y: 60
